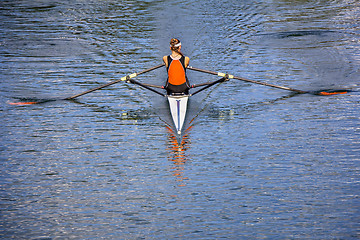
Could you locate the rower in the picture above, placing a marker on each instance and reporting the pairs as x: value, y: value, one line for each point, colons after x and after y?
x: 177, y: 82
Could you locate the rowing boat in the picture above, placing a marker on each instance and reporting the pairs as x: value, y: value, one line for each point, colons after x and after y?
x: 178, y: 108
x: 178, y: 103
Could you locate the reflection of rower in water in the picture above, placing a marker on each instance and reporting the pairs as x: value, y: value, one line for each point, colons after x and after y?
x: 176, y: 64
x: 178, y: 156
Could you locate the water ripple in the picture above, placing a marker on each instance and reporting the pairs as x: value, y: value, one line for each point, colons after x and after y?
x: 255, y: 162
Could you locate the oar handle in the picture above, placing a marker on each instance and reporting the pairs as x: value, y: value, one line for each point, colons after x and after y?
x: 125, y: 78
x: 245, y: 80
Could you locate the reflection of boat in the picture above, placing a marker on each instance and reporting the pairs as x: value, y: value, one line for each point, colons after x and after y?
x: 177, y: 155
x: 178, y: 107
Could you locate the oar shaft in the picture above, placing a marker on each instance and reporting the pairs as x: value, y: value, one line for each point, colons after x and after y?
x: 127, y: 77
x: 151, y: 85
x: 270, y: 85
x: 92, y: 90
x: 150, y: 69
x: 200, y: 84
x: 146, y: 86
x: 246, y: 80
x: 209, y: 85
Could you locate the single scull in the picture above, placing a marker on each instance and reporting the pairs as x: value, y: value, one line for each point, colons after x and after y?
x: 178, y: 103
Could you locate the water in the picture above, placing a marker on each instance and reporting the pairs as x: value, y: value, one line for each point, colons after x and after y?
x: 257, y: 163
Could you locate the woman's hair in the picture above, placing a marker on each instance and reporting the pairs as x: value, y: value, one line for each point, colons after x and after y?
x: 175, y: 46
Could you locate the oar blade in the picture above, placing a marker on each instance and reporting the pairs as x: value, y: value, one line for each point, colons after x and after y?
x: 29, y: 101
x: 331, y: 92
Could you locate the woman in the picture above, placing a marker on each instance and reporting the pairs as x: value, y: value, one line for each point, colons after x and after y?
x: 176, y: 64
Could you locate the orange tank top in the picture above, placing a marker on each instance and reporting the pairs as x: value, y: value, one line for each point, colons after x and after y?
x: 176, y: 71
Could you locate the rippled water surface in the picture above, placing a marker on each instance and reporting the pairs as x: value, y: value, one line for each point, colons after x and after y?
x: 256, y: 163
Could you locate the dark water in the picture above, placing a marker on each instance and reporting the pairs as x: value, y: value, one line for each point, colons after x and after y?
x: 258, y: 162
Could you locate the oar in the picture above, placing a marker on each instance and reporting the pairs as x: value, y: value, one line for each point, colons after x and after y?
x: 323, y: 92
x: 125, y: 78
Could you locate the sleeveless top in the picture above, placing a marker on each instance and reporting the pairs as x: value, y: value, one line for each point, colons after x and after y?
x: 177, y: 81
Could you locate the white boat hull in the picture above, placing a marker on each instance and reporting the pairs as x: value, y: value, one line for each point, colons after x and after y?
x: 178, y: 107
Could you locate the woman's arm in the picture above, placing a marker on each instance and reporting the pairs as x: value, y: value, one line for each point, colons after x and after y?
x: 165, y: 61
x: 187, y: 60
